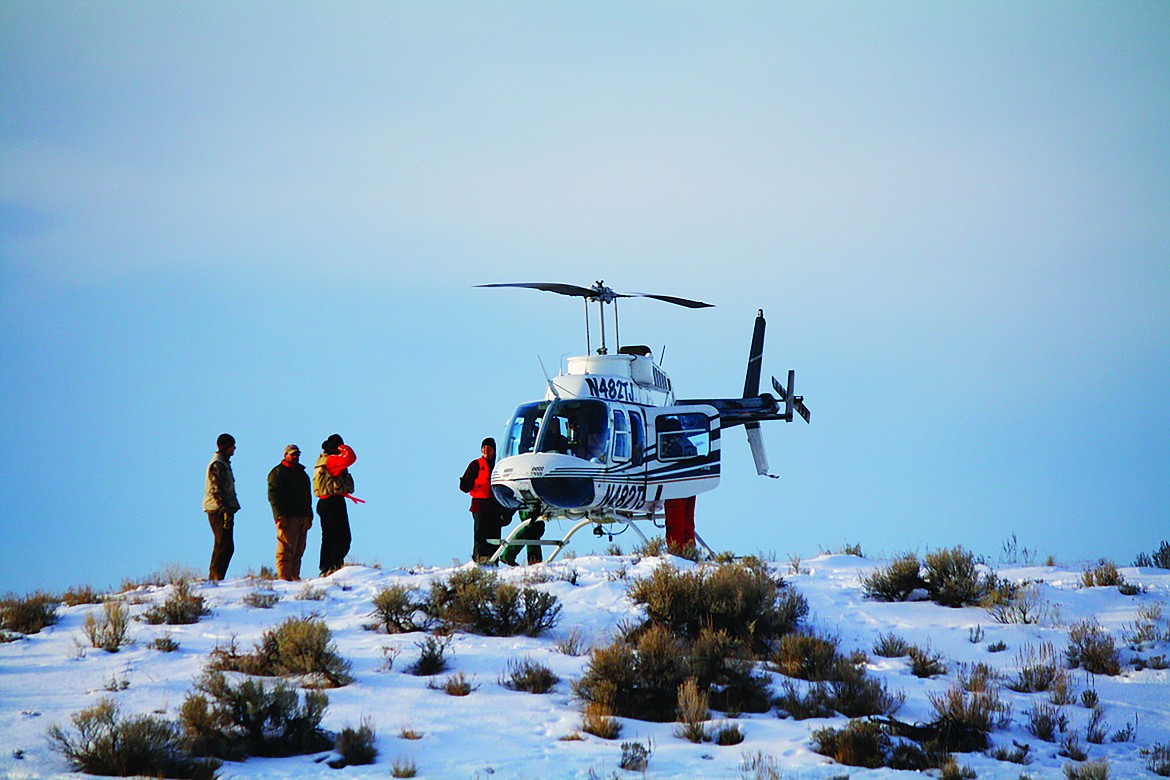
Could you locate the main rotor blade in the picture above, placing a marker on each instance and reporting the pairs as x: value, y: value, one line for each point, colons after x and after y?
x: 555, y: 287
x: 672, y: 299
x: 598, y: 291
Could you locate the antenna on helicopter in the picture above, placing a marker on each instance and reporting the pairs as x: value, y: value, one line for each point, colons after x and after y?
x: 551, y: 385
x: 602, y: 295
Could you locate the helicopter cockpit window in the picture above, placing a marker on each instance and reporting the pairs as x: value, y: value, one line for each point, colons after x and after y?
x: 683, y: 436
x: 524, y: 428
x: 576, y: 427
x: 621, y: 436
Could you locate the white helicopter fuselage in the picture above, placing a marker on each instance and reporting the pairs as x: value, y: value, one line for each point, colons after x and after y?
x: 607, y: 442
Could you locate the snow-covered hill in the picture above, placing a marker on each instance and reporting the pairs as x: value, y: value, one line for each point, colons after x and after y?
x: 498, y: 732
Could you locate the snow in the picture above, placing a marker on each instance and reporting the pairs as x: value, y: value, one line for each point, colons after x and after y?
x: 500, y: 733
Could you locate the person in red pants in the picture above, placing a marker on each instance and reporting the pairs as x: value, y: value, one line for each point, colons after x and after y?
x: 680, y: 522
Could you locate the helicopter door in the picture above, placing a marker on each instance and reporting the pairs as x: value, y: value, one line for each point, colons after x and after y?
x: 683, y: 451
x: 623, y: 485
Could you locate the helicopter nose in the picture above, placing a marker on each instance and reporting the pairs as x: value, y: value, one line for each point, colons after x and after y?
x: 564, y: 492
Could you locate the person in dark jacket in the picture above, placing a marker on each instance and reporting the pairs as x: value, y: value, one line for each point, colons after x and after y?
x: 292, y: 509
x: 486, y: 513
x: 220, y: 504
x: 333, y: 484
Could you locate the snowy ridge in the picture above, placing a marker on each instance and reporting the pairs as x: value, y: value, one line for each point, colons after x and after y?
x: 500, y: 733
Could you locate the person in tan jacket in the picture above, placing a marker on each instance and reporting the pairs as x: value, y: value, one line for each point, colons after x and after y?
x: 220, y: 504
x: 292, y: 509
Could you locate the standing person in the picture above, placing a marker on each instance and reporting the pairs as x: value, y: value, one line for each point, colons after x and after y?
x: 220, y: 504
x: 332, y: 483
x: 535, y: 530
x: 680, y: 522
x: 292, y: 509
x: 486, y: 512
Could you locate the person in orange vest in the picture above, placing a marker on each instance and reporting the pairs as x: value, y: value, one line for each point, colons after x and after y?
x: 486, y: 512
x: 333, y: 484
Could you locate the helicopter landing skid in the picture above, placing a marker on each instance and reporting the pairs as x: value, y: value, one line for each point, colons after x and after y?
x: 630, y: 522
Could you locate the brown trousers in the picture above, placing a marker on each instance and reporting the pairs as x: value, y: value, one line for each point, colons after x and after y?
x: 291, y: 535
x: 222, y: 525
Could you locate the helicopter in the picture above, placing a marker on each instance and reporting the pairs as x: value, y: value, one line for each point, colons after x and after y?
x: 611, y: 443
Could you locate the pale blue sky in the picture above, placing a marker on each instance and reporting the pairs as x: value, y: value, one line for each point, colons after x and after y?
x: 267, y: 218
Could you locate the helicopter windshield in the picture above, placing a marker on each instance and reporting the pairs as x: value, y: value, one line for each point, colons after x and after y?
x: 524, y: 428
x: 576, y: 427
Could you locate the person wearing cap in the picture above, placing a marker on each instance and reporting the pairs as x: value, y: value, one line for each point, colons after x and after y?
x: 292, y: 509
x: 221, y: 505
x: 486, y: 513
x: 333, y: 484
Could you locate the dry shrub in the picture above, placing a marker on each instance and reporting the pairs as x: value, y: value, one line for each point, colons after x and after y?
x: 1146, y: 630
x: 741, y: 599
x: 1045, y: 721
x: 311, y: 593
x: 977, y: 677
x: 356, y: 746
x: 107, y: 744
x: 639, y: 674
x: 924, y: 663
x: 455, y: 685
x: 1018, y: 755
x: 28, y: 614
x: 807, y: 656
x: 232, y: 720
x: 1090, y: 770
x: 858, y: 743
x: 530, y: 676
x: 81, y: 594
x: 1103, y: 575
x: 298, y: 647
x: 1157, y: 756
x: 110, y: 632
x: 182, y: 607
x: 432, y: 656
x: 693, y: 712
x: 760, y: 766
x: 964, y: 718
x: 476, y: 600
x: 802, y: 703
x: 1008, y: 602
x: 654, y: 547
x: 403, y: 767
x: 1035, y: 669
x: 853, y: 694
x: 261, y: 599
x: 728, y: 734
x: 164, y: 644
x: 891, y: 646
x: 953, y: 578
x: 1161, y: 556
x: 1092, y: 649
x: 894, y: 582
x: 596, y: 720
x: 572, y: 643
x: 395, y: 610
x: 636, y: 756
